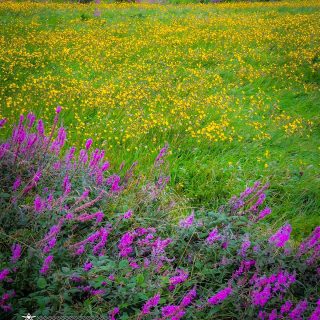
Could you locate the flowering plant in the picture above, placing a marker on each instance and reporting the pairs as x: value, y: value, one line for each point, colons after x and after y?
x: 80, y: 237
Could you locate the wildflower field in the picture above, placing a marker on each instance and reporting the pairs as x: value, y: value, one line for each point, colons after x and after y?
x: 233, y: 88
x: 160, y: 161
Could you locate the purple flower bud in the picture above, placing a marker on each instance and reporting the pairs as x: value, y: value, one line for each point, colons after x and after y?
x: 66, y: 185
x: 83, y: 156
x: 128, y: 214
x: 32, y: 118
x: 40, y: 127
x: 2, y: 122
x: 263, y: 213
x: 105, y: 166
x: 88, y: 144
x: 37, y: 176
x: 58, y: 109
x: 87, y: 266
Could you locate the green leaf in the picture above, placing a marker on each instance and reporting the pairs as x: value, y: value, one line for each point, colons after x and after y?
x: 42, y: 283
x: 123, y: 264
x: 4, y: 195
x: 124, y: 316
x: 140, y: 278
x: 65, y: 269
x: 163, y: 300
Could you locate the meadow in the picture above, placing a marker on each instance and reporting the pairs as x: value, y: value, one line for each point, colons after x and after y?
x: 160, y: 161
x: 233, y: 88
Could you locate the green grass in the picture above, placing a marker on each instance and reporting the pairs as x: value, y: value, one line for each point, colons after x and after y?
x: 182, y: 49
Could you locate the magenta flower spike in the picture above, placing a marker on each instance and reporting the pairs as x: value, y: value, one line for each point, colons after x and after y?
x: 220, y: 296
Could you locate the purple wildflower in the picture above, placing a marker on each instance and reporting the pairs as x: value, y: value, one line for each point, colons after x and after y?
x: 58, y: 109
x: 46, y: 264
x: 38, y: 204
x: 261, y: 297
x: 16, y: 184
x: 220, y: 296
x: 87, y: 266
x: 31, y: 117
x: 316, y: 313
x: 187, y: 222
x: 83, y: 156
x: 3, y: 274
x: 105, y: 166
x: 188, y: 298
x: 80, y: 250
x: 40, y: 127
x: 66, y: 185
x: 172, y: 312
x: 114, y: 181
x: 181, y: 276
x: 280, y: 238
x: 16, y: 252
x: 88, y: 144
x: 4, y: 147
x: 273, y: 315
x: 161, y: 155
x: 69, y: 216
x: 51, y: 243
x: 151, y: 303
x: 127, y: 215
x: 2, y: 122
x: 4, y: 301
x: 263, y: 213
x: 285, y: 308
x: 244, y: 267
x: 245, y: 246
x: 98, y: 216
x: 113, y: 313
x: 134, y: 265
x: 300, y: 308
x: 213, y: 236
x: 37, y: 176
x: 97, y: 292
x: 265, y: 287
x: 125, y: 244
x: 97, y: 249
x: 70, y: 154
x: 159, y: 246
x: 310, y: 242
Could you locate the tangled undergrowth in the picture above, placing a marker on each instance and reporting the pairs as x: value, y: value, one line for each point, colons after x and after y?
x: 79, y: 237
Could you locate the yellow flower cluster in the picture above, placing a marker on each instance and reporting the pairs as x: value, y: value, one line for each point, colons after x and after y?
x: 205, y: 73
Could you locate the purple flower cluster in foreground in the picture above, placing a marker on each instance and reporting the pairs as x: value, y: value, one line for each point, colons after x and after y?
x: 93, y: 251
x: 266, y: 287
